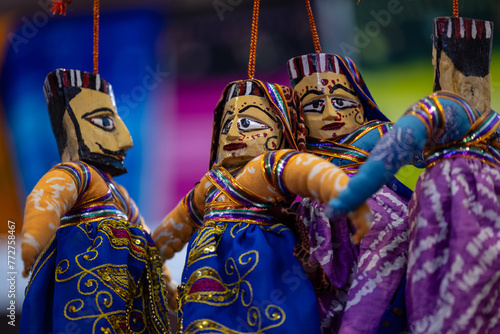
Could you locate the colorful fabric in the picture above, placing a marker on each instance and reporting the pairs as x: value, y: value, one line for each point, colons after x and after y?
x: 111, y: 283
x: 329, y: 257
x: 366, y: 277
x: 101, y: 271
x: 453, y: 277
x: 240, y: 274
x: 452, y: 274
x: 363, y: 303
x: 381, y: 265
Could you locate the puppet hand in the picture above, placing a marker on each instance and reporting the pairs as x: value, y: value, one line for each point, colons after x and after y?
x: 171, y: 287
x: 361, y: 218
x: 28, y: 254
x: 170, y: 237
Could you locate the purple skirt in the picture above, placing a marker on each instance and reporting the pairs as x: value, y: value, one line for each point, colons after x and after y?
x: 361, y: 291
x: 381, y: 265
x: 454, y: 258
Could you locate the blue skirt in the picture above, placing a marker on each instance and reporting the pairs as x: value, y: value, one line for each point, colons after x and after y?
x: 243, y: 278
x: 97, y: 277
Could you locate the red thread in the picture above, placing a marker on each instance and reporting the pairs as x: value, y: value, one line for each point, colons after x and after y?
x: 317, y: 45
x: 253, y: 39
x: 96, y: 36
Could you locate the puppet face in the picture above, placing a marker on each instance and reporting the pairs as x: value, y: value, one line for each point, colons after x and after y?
x: 248, y: 128
x: 474, y: 89
x: 95, y: 132
x: 331, y: 105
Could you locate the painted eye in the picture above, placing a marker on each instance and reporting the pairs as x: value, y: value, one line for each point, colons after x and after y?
x: 315, y: 106
x: 248, y: 124
x: 339, y: 103
x: 105, y: 122
x: 227, y: 126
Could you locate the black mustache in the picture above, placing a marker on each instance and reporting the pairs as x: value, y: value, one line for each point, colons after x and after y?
x: 119, y: 152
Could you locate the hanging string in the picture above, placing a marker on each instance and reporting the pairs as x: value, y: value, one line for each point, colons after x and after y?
x: 253, y: 39
x: 455, y: 8
x: 96, y: 36
x: 317, y: 45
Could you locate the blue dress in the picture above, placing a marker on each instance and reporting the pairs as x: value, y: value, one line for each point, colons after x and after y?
x: 240, y: 274
x: 101, y: 272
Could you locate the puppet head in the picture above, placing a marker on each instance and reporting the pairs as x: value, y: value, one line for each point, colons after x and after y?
x: 254, y: 117
x: 84, y: 120
x: 335, y: 98
x: 461, y: 56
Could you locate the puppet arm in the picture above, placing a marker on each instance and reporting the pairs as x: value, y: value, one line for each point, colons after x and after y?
x: 307, y: 175
x: 439, y: 118
x: 53, y: 196
x: 180, y: 224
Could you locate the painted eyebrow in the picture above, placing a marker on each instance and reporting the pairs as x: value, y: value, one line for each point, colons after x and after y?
x: 337, y: 86
x: 241, y: 111
x: 96, y: 111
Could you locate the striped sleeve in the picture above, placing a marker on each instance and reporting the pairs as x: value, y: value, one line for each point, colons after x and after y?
x: 273, y: 164
x: 80, y: 172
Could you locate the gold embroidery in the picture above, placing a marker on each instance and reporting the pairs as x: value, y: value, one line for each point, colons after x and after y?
x: 206, y: 242
x: 229, y: 292
x: 92, y: 282
x: 272, y: 313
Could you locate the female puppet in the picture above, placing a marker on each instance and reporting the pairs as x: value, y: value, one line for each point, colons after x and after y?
x: 453, y: 281
x: 240, y: 274
x: 98, y: 269
x: 344, y: 124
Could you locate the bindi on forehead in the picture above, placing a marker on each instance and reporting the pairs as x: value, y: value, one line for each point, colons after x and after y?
x: 328, y: 85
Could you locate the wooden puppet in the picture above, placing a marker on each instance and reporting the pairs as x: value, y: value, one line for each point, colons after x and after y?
x: 343, y: 125
x: 240, y: 274
x: 93, y: 265
x: 354, y: 285
x: 453, y: 278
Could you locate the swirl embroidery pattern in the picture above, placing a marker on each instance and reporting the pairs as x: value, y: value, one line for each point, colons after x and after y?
x: 116, y: 284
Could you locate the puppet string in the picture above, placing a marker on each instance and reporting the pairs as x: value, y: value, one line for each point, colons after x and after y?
x: 96, y: 36
x: 253, y: 39
x: 455, y: 8
x: 317, y: 45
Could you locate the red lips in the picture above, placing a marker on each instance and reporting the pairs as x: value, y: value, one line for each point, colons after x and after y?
x: 234, y: 146
x: 333, y: 126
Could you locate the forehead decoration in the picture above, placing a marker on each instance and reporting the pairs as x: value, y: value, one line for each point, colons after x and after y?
x: 467, y: 42
x: 306, y: 65
x: 58, y: 80
x: 285, y: 106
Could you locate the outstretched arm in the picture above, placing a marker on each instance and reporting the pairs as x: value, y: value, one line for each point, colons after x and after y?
x: 179, y: 225
x: 307, y: 175
x: 437, y: 119
x: 396, y: 149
